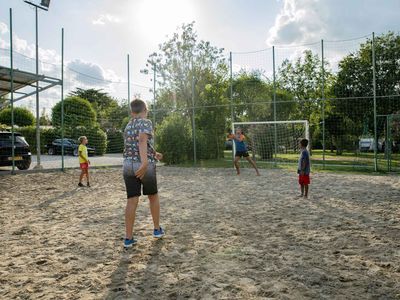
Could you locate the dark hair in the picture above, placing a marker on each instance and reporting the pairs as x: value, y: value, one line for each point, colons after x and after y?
x: 304, y: 143
x: 138, y: 106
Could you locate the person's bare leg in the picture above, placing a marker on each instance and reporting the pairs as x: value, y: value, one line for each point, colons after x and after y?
x: 130, y: 213
x: 155, y: 210
x: 87, y: 176
x: 302, y: 190
x: 306, y: 191
x: 81, y: 176
x: 236, y: 162
x: 253, y: 164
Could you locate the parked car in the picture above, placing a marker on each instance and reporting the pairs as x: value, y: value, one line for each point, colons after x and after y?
x: 70, y: 147
x: 367, y: 144
x: 22, y: 152
x: 394, y: 147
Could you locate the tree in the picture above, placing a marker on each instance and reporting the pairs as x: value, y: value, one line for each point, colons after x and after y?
x: 108, y: 110
x: 354, y: 80
x: 183, y: 58
x: 252, y: 97
x: 303, y: 80
x: 22, y: 116
x: 44, y: 120
x: 77, y: 112
x: 193, y: 70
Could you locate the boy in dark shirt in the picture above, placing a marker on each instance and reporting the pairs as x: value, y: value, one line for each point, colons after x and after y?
x: 304, y: 168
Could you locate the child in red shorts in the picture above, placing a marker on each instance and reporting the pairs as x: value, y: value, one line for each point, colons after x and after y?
x: 83, y: 160
x: 304, y: 168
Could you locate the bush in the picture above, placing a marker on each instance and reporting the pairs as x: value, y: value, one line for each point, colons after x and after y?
x: 97, y: 137
x: 46, y: 136
x: 209, y: 144
x: 174, y: 139
x: 77, y: 112
x: 4, y: 127
x: 125, y: 122
x: 115, y: 141
x: 22, y: 116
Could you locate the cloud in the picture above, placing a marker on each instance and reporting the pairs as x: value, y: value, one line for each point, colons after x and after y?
x: 307, y: 21
x: 3, y: 28
x: 107, y: 18
x: 299, y: 21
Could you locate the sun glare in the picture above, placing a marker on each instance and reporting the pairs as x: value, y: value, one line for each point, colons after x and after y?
x: 158, y: 18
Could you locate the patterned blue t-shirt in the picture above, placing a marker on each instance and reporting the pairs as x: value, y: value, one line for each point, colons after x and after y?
x: 304, y: 159
x: 131, y: 139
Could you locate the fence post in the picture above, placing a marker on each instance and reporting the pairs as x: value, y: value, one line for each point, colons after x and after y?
x: 12, y: 94
x: 388, y: 143
x: 374, y: 91
x: 38, y: 150
x: 231, y: 100
x: 154, y: 95
x: 193, y: 119
x: 62, y: 99
x: 274, y: 98
x: 323, y: 102
x: 129, y: 84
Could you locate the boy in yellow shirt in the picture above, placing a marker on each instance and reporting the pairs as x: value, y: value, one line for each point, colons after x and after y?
x: 83, y: 160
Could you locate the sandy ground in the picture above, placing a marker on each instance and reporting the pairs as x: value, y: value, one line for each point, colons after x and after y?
x: 228, y: 237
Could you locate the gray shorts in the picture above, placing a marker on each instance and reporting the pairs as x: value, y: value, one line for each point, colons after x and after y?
x: 134, y: 185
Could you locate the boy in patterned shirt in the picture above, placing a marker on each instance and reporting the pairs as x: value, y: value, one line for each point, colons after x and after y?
x: 139, y: 169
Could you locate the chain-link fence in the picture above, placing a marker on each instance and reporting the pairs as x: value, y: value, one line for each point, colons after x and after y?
x: 342, y: 95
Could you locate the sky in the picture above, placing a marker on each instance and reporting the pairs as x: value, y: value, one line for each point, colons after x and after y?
x: 100, y: 33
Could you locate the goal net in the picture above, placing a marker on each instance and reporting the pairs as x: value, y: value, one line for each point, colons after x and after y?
x: 273, y: 140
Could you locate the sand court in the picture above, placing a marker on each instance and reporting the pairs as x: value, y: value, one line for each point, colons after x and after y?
x: 227, y: 237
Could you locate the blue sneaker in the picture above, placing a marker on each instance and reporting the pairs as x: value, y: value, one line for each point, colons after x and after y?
x: 129, y: 243
x: 158, y: 233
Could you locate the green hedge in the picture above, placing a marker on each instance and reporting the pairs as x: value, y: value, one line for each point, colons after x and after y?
x: 174, y: 139
x: 77, y: 112
x: 115, y: 142
x: 47, y: 135
x: 22, y: 116
x: 97, y: 137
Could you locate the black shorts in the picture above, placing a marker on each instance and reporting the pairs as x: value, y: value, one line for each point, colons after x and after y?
x: 134, y: 185
x: 242, y: 154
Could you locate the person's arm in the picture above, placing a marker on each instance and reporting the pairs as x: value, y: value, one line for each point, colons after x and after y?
x: 145, y: 130
x: 143, y: 137
x: 159, y: 156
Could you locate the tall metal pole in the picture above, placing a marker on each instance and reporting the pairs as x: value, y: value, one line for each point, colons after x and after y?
x: 38, y: 165
x: 231, y: 85
x: 274, y: 96
x: 193, y: 119
x: 323, y: 102
x: 129, y: 86
x: 231, y: 100
x: 62, y: 99
x: 12, y: 95
x: 154, y: 99
x: 374, y: 91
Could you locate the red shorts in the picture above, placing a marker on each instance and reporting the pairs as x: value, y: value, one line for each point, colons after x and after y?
x: 304, y: 179
x: 84, y: 166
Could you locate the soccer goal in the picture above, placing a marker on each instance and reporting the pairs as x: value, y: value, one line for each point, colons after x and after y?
x: 274, y: 140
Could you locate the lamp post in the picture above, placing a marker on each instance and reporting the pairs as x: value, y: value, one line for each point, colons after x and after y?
x: 154, y: 73
x: 44, y: 5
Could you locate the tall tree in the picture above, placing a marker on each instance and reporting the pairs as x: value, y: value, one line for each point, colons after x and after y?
x: 354, y: 81
x: 193, y: 73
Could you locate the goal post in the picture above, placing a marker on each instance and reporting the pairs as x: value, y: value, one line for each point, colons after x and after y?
x: 273, y: 140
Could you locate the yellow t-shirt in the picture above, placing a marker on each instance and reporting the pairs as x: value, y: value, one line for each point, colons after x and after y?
x: 83, y: 149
